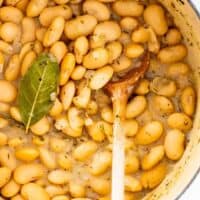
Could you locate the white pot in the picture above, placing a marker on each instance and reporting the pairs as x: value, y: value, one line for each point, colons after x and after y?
x: 186, y: 14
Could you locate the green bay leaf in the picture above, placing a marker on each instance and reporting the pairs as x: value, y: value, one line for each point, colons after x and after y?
x: 37, y: 88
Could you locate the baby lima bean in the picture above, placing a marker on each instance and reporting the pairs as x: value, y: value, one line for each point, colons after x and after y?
x: 26, y: 173
x: 97, y: 9
x: 80, y: 26
x: 33, y: 191
x: 149, y: 133
x: 54, y: 31
x: 174, y: 144
x: 49, y: 13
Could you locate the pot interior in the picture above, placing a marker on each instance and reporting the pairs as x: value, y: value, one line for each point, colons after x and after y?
x: 178, y: 180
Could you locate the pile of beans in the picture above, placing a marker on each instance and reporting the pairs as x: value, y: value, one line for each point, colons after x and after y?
x: 67, y: 155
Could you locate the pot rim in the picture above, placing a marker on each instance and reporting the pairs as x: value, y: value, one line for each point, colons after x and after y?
x: 196, y: 8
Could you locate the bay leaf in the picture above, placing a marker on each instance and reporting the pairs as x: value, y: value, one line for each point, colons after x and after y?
x: 37, y: 89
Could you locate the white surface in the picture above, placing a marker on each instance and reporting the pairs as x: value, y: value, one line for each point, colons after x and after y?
x: 193, y: 192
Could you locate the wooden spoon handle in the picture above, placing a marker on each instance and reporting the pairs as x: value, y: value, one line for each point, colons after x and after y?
x: 118, y: 161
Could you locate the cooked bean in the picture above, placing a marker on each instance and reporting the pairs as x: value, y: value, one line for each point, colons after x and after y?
x: 180, y: 121
x: 141, y: 35
x: 136, y: 106
x: 125, y: 39
x: 26, y: 173
x: 132, y: 184
x: 27, y: 61
x: 177, y: 69
x: 174, y: 144
x: 28, y: 30
x: 40, y: 32
x: 92, y: 108
x: 56, y: 109
x: 13, y: 68
x: 128, y: 8
x: 81, y: 46
x: 100, y: 186
x: 110, y: 30
x: 99, y: 130
x: 47, y: 158
x: 128, y: 23
x: 115, y: 50
x: 121, y: 63
x: 4, y: 107
x: 134, y: 50
x: 5, y: 175
x: 80, y: 26
x: 67, y: 94
x: 5, y: 47
x: 60, y: 197
x: 163, y: 104
x: 10, y: 189
x: 155, y: 17
x: 151, y: 178
x: 142, y: 87
x: 49, y: 13
x: 151, y: 159
x: 172, y: 54
x: 22, y: 4
x: 26, y: 154
x: 96, y: 58
x: 3, y: 139
x: 67, y: 67
x: 97, y: 41
x: 3, y: 122
x: 61, y: 1
x: 132, y: 164
x: 163, y: 86
x: 25, y: 49
x: 83, y: 151
x: 173, y: 37
x: 57, y: 145
x: 63, y: 124
x: 78, y: 73
x: 38, y: 48
x: 10, y: 14
x: 7, y: 158
x: 107, y: 114
x: 32, y: 191
x: 16, y: 142
x: 35, y: 7
x: 97, y: 9
x: 149, y: 133
x: 58, y: 49
x: 153, y: 43
x: 101, y: 78
x: 2, y: 62
x: 77, y: 190
x: 54, y: 190
x: 41, y: 127
x: 188, y: 99
x: 9, y: 91
x: 9, y: 31
x: 54, y: 31
x: 101, y: 163
x: 76, y: 122
x: 130, y: 127
x: 64, y: 161
x: 11, y: 2
x: 82, y: 100
x: 59, y: 176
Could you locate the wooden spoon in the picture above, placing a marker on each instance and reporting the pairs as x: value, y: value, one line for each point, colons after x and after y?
x: 120, y: 92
